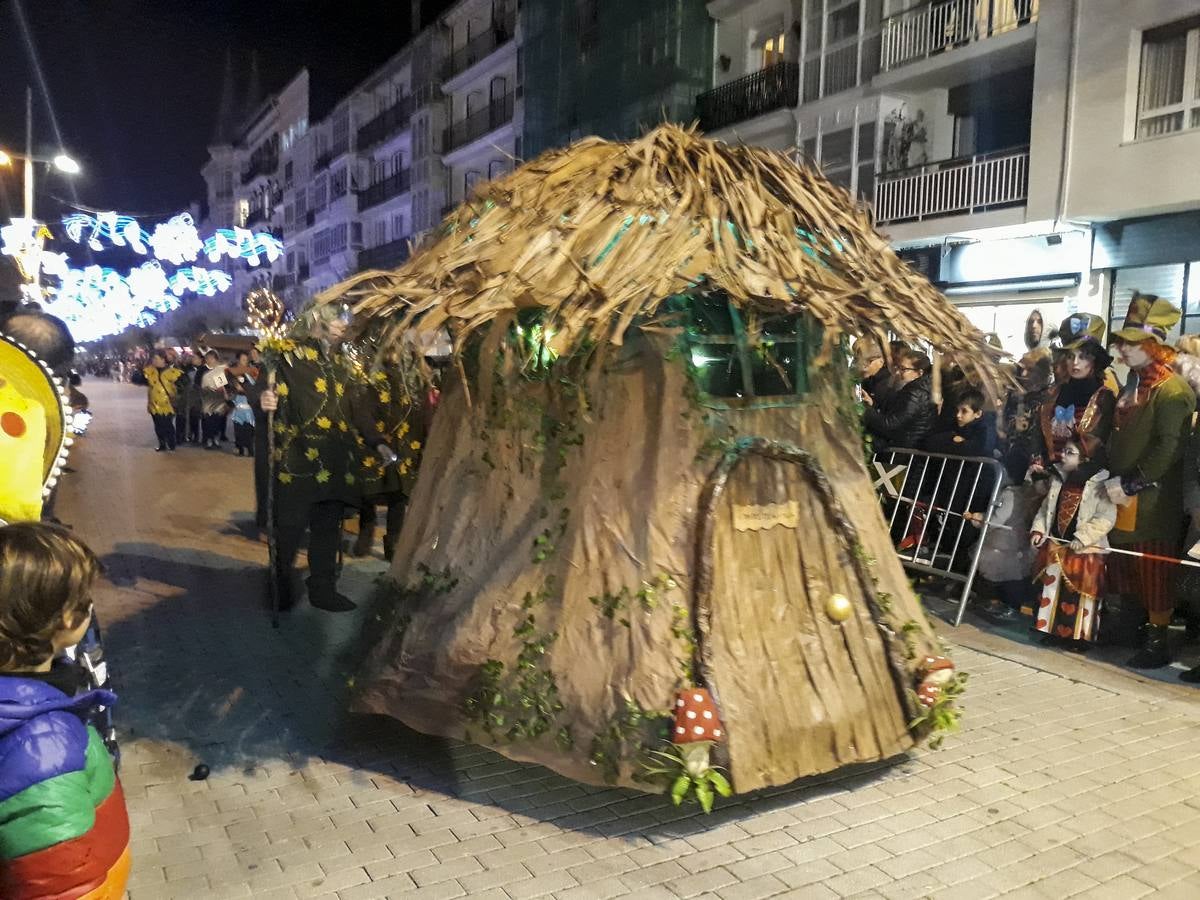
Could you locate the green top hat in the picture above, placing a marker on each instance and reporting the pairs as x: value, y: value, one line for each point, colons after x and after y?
x: 1078, y: 328
x: 1149, y: 318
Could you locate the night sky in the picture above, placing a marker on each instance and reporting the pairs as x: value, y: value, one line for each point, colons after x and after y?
x: 133, y: 85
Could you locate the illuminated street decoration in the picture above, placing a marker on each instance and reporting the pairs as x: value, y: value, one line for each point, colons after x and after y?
x: 241, y: 243
x: 120, y: 231
x: 22, y: 239
x: 176, y: 240
x: 202, y: 281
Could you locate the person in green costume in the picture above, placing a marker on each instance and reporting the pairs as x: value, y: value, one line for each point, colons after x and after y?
x: 1145, y: 454
x: 317, y: 461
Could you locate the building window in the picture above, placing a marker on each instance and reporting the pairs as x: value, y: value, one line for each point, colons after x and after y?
x: 381, y: 232
x: 729, y: 361
x: 1172, y: 280
x: 398, y: 226
x: 320, y: 191
x: 321, y: 246
x: 772, y: 49
x: 288, y: 169
x: 337, y: 238
x: 397, y: 162
x: 338, y: 182
x: 301, y: 204
x: 495, y: 169
x: 470, y: 179
x: 356, y: 235
x: 1169, y: 79
x: 340, y: 140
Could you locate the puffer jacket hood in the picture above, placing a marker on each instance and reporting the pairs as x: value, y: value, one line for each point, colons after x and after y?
x: 23, y: 699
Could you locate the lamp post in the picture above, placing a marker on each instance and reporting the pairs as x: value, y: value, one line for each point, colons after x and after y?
x: 60, y: 161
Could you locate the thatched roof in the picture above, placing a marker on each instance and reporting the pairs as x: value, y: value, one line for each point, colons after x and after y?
x: 600, y: 233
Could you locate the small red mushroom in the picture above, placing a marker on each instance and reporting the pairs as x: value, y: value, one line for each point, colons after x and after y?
x: 928, y: 693
x: 696, y: 717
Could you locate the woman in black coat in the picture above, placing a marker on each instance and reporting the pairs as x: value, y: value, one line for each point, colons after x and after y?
x: 907, y: 417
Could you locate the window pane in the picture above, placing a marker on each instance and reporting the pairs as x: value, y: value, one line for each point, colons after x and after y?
x: 835, y: 149
x: 1162, y: 72
x: 1192, y: 303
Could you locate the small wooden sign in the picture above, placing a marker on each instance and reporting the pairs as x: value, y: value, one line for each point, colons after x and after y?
x: 769, y: 515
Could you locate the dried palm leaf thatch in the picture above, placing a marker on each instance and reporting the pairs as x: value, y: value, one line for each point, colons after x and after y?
x: 598, y: 234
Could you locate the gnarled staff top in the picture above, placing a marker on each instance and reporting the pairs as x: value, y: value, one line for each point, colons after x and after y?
x: 599, y: 234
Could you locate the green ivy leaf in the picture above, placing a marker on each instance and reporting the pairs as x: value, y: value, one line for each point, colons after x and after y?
x: 720, y: 783
x: 680, y: 788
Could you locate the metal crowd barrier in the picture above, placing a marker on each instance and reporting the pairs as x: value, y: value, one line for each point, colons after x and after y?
x: 939, y: 509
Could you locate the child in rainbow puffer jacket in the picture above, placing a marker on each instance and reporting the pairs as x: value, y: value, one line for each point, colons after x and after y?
x: 64, y: 829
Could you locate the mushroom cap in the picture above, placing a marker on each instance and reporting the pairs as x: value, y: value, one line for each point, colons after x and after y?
x: 928, y: 693
x: 936, y: 664
x: 696, y: 717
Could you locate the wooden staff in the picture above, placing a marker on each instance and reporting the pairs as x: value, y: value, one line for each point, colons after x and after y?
x: 272, y: 543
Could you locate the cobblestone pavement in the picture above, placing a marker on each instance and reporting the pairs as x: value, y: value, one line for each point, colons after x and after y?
x: 1068, y: 780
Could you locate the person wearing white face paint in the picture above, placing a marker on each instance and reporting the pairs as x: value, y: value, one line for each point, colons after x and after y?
x: 1082, y: 406
x: 1145, y: 456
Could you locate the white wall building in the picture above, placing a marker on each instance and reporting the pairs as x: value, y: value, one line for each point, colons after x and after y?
x: 482, y: 83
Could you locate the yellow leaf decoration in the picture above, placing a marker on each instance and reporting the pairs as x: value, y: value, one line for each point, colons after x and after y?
x: 385, y: 397
x: 311, y: 453
x: 370, y: 462
x: 322, y: 476
x: 320, y: 386
x: 281, y: 389
x: 342, y: 426
x: 379, y: 427
x: 403, y: 429
x: 285, y: 478
x: 349, y: 478
x: 324, y: 422
x: 339, y: 389
x: 309, y: 353
x: 415, y: 445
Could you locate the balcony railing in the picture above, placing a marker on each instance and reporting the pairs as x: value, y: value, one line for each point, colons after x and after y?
x: 936, y: 27
x: 473, y: 127
x: 322, y: 162
x: 390, y: 187
x: 480, y: 47
x: 775, y: 87
x: 385, y: 256
x: 967, y: 184
x: 387, y: 123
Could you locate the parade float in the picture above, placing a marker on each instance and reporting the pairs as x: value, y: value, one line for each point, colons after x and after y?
x: 35, y: 418
x: 643, y: 547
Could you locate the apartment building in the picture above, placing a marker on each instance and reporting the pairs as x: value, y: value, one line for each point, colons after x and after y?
x: 1024, y: 154
x: 244, y: 174
x: 481, y: 80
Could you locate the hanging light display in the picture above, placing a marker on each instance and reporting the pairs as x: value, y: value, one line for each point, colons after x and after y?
x: 95, y: 300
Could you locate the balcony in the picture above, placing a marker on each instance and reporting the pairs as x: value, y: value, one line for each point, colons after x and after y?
x: 255, y: 216
x: 385, y: 256
x: 392, y: 186
x: 925, y: 31
x: 283, y: 281
x: 323, y: 161
x: 968, y: 184
x: 310, y: 218
x: 479, y: 48
x: 387, y: 123
x: 769, y: 89
x: 261, y: 165
x: 473, y: 127
x: 302, y: 271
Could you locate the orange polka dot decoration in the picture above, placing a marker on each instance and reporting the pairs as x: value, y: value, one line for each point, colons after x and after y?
x: 696, y: 717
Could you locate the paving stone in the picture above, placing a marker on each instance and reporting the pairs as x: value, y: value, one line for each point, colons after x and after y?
x: 299, y: 805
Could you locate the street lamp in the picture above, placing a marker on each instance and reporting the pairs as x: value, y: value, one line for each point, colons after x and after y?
x: 59, y: 161
x: 66, y: 165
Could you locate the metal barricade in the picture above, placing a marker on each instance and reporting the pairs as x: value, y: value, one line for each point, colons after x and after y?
x: 939, y: 509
